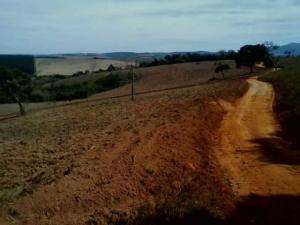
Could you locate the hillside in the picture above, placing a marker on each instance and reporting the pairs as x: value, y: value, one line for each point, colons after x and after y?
x: 147, y: 79
x: 294, y: 48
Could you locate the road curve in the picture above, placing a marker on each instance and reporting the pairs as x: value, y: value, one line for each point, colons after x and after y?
x: 251, y: 171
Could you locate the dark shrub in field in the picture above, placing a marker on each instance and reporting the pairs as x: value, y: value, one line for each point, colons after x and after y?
x: 68, y: 92
x: 109, y: 82
x: 221, y: 68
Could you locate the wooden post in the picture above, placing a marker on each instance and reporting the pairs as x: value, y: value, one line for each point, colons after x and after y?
x: 132, y: 84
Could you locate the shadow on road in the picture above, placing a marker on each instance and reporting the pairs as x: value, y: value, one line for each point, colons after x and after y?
x: 263, y: 210
x: 276, y: 150
x: 252, y: 210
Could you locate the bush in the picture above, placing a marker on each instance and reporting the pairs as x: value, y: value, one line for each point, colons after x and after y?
x: 68, y: 92
x: 36, y: 97
x: 109, y: 82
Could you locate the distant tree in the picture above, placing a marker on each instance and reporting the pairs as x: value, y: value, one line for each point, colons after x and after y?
x: 111, y: 68
x: 191, y: 57
x: 289, y: 53
x: 272, y: 60
x: 221, y: 68
x: 16, y: 85
x: 248, y: 55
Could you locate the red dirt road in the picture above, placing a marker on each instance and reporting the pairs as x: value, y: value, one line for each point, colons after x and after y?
x: 249, y: 123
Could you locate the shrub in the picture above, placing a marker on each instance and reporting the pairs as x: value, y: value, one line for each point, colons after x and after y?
x: 109, y: 82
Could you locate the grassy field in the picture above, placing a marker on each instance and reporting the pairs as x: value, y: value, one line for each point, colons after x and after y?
x: 120, y: 161
x: 287, y: 86
x: 69, y: 66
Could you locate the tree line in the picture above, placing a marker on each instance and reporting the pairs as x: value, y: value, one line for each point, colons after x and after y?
x: 17, y: 87
x: 23, y: 63
x: 190, y: 57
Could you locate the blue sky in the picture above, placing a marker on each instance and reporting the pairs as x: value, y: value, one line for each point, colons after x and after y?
x: 60, y: 26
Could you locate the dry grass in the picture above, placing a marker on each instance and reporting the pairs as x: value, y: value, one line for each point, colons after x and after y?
x: 168, y: 76
x: 69, y: 66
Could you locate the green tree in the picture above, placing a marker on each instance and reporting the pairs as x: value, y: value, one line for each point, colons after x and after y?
x: 16, y: 85
x: 248, y: 55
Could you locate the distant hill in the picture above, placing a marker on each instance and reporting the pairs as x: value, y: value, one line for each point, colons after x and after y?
x: 293, y: 48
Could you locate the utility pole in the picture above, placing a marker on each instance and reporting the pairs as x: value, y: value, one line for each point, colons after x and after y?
x: 132, y: 84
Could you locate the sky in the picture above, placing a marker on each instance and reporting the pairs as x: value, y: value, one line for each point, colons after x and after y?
x: 70, y: 26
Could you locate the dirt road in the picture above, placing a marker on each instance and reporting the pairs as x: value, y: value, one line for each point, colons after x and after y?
x: 249, y: 124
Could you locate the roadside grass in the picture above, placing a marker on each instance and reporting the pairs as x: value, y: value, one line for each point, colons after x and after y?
x: 286, y: 83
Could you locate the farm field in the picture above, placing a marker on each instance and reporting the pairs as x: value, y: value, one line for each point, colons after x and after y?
x: 47, y: 152
x: 169, y: 76
x: 71, y: 65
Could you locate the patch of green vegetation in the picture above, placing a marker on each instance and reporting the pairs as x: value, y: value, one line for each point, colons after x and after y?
x: 287, y: 86
x: 6, y: 195
x: 81, y: 90
x: 44, y: 89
